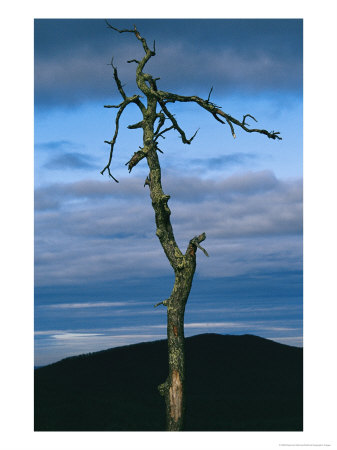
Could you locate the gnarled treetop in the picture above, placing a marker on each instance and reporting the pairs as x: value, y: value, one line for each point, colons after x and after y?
x: 148, y: 86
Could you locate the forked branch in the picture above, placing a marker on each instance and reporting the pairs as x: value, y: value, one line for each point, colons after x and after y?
x: 121, y: 107
x: 175, y: 125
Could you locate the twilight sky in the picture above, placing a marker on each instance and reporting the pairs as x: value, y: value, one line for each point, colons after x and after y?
x: 99, y: 267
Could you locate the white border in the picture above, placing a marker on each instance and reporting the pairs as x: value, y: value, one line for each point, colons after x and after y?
x: 320, y: 224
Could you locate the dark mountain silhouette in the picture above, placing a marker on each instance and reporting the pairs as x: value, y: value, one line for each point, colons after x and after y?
x: 233, y: 383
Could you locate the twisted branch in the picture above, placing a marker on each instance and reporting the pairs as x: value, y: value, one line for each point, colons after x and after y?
x: 215, y: 110
x: 148, y: 54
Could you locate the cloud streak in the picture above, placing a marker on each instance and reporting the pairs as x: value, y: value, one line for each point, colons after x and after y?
x: 60, y: 144
x: 71, y: 161
x: 230, y: 160
x: 86, y: 305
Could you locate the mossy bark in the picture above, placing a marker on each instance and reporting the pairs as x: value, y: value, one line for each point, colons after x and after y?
x: 184, y: 268
x: 173, y: 388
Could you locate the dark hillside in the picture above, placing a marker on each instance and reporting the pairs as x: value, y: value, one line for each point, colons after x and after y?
x: 233, y: 383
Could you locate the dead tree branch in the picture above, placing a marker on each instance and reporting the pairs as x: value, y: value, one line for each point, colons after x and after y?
x: 121, y: 107
x: 215, y: 111
x: 175, y: 125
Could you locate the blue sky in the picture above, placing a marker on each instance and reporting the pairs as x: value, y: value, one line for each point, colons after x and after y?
x: 99, y: 267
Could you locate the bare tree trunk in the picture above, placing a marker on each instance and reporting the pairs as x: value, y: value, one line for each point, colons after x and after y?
x: 184, y: 267
x: 173, y: 388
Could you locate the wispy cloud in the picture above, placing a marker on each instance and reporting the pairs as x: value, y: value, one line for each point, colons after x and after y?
x: 296, y: 341
x: 56, y: 145
x: 229, y: 160
x: 70, y: 161
x: 71, y: 336
x: 249, y: 310
x: 86, y: 305
x: 237, y: 325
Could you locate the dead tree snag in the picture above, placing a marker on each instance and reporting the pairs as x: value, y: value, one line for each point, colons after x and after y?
x: 155, y: 115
